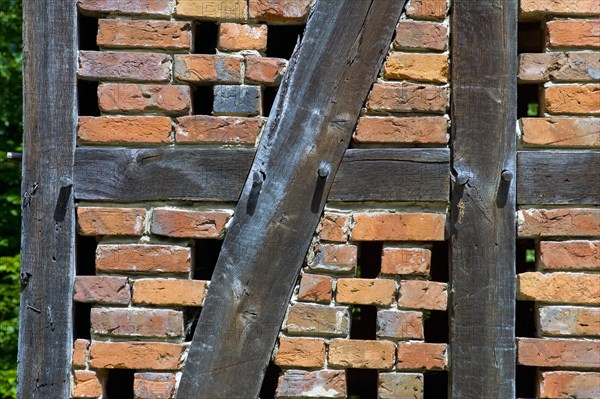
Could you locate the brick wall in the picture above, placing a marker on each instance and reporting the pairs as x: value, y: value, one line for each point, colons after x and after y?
x: 563, y: 284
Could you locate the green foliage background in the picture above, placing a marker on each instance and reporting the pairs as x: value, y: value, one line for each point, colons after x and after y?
x: 10, y: 188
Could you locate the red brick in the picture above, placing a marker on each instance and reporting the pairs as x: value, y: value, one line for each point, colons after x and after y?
x: 355, y: 353
x: 300, y: 352
x: 419, y: 294
x: 237, y: 37
x: 128, y: 129
x: 118, y: 33
x: 80, y: 353
x: 561, y: 132
x: 405, y: 261
x: 415, y: 35
x: 569, y: 384
x: 159, y: 8
x: 559, y: 67
x: 106, y: 290
x: 307, y: 384
x: 573, y: 33
x: 572, y: 99
x: 559, y: 222
x: 400, y: 386
x: 169, y: 292
x: 264, y: 70
x: 558, y: 287
x: 405, y: 130
x: 92, y: 221
x: 154, y: 385
x: 124, y: 65
x: 129, y: 98
x: 334, y: 258
x: 545, y: 352
x: 217, y: 130
x: 319, y: 320
x: 407, y: 97
x: 279, y: 10
x: 189, y: 223
x: 212, y: 9
x: 364, y: 291
x: 378, y: 226
x: 421, y: 356
x: 426, y: 9
x: 207, y: 68
x: 536, y: 9
x: 569, y: 320
x: 334, y: 227
x: 431, y: 68
x: 315, y: 288
x: 86, y: 384
x: 136, y: 355
x: 131, y: 322
x: 143, y: 258
x: 570, y: 255
x: 398, y: 324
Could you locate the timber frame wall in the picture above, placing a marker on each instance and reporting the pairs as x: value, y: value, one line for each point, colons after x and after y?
x: 456, y: 250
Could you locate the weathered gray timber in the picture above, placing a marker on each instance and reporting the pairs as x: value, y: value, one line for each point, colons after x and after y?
x: 48, y: 222
x: 558, y: 177
x: 309, y: 129
x: 482, y: 229
x: 208, y: 174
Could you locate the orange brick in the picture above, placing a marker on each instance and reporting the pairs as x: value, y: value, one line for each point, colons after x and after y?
x: 364, y: 291
x: 202, y: 68
x: 561, y: 132
x: 142, y: 258
x: 334, y: 258
x: 212, y: 9
x: 154, y: 385
x: 334, y: 227
x: 545, y: 352
x: 574, y: 33
x: 92, y: 221
x: 378, y: 226
x: 80, y: 353
x: 265, y: 70
x: 86, y: 384
x: 127, y: 129
x: 169, y: 292
x: 419, y: 294
x: 131, y: 322
x: 570, y: 255
x: 572, y: 99
x: 405, y: 261
x: 145, y: 34
x: 124, y: 65
x: 106, y: 290
x: 536, y: 9
x: 398, y: 324
x: 569, y: 320
x: 355, y: 353
x: 569, y: 384
x: 304, y: 384
x: 559, y: 222
x: 431, y: 68
x: 130, y: 98
x: 279, y: 11
x: 406, y: 130
x: 401, y: 385
x: 159, y: 8
x: 317, y: 320
x: 136, y: 355
x: 558, y: 67
x: 189, y: 223
x: 237, y: 37
x: 407, y: 97
x: 426, y: 9
x: 217, y: 130
x: 415, y: 35
x: 300, y: 352
x: 315, y: 288
x: 421, y: 356
x: 559, y: 287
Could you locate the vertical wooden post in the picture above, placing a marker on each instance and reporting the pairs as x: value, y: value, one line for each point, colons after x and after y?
x: 483, y: 230
x: 48, y: 222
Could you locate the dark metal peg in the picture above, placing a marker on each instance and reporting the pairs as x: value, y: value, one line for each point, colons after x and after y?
x: 324, y: 171
x: 506, y: 175
x: 462, y: 179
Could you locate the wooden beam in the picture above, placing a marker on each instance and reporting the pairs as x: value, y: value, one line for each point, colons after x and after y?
x: 558, y: 177
x: 48, y: 222
x: 309, y: 129
x: 482, y: 229
x: 197, y: 174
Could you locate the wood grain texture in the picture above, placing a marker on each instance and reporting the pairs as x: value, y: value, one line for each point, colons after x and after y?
x: 558, y: 177
x: 199, y: 174
x: 483, y: 230
x: 48, y: 221
x: 309, y: 128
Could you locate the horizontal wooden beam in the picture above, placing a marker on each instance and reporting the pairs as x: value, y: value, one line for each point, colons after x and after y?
x: 209, y: 174
x: 558, y: 177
